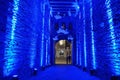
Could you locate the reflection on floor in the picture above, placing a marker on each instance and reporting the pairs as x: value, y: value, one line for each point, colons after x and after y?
x: 63, y: 72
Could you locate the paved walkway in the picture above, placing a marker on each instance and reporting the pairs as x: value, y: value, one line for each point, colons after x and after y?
x: 63, y: 72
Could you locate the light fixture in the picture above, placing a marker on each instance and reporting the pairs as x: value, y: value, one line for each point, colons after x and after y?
x: 35, y: 71
x: 61, y: 42
x: 15, y: 77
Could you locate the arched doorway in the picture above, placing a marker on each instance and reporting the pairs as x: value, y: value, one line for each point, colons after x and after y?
x: 63, y: 52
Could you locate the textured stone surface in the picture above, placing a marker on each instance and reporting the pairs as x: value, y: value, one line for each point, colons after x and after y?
x: 26, y: 41
x: 104, y: 48
x: 21, y: 48
x: 107, y: 56
x: 3, y: 20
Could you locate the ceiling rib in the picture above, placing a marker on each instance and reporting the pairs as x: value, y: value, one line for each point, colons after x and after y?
x: 63, y: 6
x: 63, y: 2
x: 65, y: 9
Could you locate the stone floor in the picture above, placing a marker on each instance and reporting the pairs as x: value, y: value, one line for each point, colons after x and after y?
x: 60, y: 60
x: 63, y: 72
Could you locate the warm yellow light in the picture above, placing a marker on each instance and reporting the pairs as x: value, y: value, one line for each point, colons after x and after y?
x: 61, y: 42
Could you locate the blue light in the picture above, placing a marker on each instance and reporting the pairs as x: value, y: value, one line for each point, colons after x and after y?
x: 14, y: 17
x: 80, y: 57
x: 76, y: 6
x: 78, y: 52
x: 84, y: 24
x: 42, y: 44
x: 79, y: 48
x: 46, y: 52
x: 48, y: 42
x: 110, y: 20
x: 42, y: 41
x: 10, y: 55
x: 115, y: 54
x: 77, y: 56
x: 51, y: 11
x: 48, y: 55
x: 92, y: 35
x: 60, y: 30
x: 48, y: 59
x: 49, y: 23
x: 32, y: 53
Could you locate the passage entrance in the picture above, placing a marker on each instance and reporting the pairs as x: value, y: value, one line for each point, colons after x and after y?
x: 63, y: 52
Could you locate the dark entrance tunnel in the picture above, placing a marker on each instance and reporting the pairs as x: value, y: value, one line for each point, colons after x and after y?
x: 30, y: 30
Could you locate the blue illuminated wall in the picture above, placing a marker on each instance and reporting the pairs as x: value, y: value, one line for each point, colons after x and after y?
x: 99, y: 37
x: 115, y: 13
x: 106, y: 29
x: 85, y: 40
x: 90, y: 49
x: 45, y: 39
x: 10, y: 54
x: 87, y: 35
x: 27, y: 30
x: 20, y: 37
x: 3, y: 21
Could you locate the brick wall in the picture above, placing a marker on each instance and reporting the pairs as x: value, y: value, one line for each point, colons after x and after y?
x: 101, y: 37
x: 106, y: 51
x: 19, y: 41
x: 106, y: 25
x: 3, y: 20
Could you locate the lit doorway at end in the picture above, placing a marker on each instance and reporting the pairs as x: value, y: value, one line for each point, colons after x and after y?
x: 63, y: 52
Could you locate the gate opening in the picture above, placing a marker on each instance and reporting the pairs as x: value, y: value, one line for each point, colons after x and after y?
x: 63, y: 53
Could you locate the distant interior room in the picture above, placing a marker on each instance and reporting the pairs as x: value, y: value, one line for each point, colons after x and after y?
x: 63, y: 52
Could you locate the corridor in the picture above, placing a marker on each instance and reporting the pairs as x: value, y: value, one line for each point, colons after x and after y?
x: 63, y: 72
x: 59, y: 39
